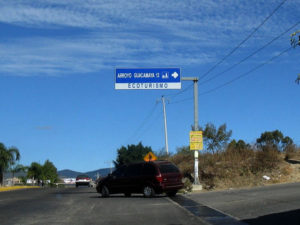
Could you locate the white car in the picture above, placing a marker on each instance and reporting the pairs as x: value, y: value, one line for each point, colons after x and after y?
x: 83, y: 179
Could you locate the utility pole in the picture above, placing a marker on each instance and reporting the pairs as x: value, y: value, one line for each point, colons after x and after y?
x: 165, y: 123
x: 196, y: 128
x: 110, y: 164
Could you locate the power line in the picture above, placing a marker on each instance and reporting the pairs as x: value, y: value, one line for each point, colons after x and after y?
x: 245, y: 74
x: 249, y: 56
x: 242, y: 42
x: 143, y: 122
x: 230, y: 53
x: 149, y: 124
x: 180, y: 92
x: 182, y: 100
x: 236, y: 78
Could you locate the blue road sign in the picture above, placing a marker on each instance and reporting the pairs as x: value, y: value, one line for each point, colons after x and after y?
x: 148, y: 78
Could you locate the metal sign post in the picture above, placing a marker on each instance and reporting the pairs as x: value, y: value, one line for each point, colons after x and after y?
x: 149, y: 79
x: 196, y: 128
x: 165, y: 123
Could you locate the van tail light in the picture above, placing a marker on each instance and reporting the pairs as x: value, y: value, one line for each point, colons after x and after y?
x: 159, y: 178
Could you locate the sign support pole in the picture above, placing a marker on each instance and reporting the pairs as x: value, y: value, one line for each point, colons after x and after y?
x: 165, y: 122
x: 196, y: 128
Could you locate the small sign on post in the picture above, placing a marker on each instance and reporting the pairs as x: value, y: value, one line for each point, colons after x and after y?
x: 150, y: 157
x: 196, y: 140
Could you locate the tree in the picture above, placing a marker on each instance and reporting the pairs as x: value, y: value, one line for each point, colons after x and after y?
x: 294, y: 43
x: 131, y: 153
x: 17, y: 168
x: 8, y: 157
x: 238, y: 145
x: 49, y: 172
x: 43, y: 172
x: 274, y: 139
x: 162, y: 154
x: 184, y: 150
x: 215, y: 139
x: 35, y: 171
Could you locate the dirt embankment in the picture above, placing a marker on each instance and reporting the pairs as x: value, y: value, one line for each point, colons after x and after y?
x: 239, y: 169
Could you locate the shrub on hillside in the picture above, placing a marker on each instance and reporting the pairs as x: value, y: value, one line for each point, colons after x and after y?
x: 185, y: 163
x: 266, y: 159
x: 239, y: 165
x: 292, y: 152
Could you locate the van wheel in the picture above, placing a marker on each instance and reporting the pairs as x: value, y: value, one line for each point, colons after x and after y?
x: 148, y: 191
x: 171, y: 193
x: 104, y: 191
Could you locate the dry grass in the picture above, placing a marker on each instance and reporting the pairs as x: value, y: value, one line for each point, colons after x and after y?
x: 241, y: 168
x: 292, y: 152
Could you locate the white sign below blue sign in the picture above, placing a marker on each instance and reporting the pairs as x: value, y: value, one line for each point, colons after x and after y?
x: 148, y: 78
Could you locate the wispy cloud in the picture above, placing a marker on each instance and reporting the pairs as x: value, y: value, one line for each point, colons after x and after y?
x: 122, y: 33
x: 43, y: 128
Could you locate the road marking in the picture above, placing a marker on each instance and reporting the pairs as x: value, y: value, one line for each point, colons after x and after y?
x: 204, y: 213
x: 158, y: 204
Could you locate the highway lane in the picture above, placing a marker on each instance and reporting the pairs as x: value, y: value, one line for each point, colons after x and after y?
x: 85, y: 206
x: 274, y: 205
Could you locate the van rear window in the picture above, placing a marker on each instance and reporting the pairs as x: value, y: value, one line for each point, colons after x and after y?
x: 168, y: 168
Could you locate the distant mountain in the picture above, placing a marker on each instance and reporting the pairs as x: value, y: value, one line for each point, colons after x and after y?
x: 10, y: 175
x: 92, y: 174
x: 68, y: 173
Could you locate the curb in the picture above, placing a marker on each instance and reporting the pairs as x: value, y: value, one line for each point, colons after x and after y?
x: 204, y: 213
x: 13, y: 188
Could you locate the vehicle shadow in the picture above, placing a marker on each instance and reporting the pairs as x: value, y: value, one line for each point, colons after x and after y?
x: 289, y: 217
x: 74, y: 193
x: 292, y: 161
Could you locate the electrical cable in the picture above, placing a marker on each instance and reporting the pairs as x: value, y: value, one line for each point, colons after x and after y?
x: 150, y: 124
x: 143, y: 122
x: 249, y: 56
x: 182, y: 100
x: 180, y: 92
x: 232, y: 51
x: 245, y: 74
x: 236, y: 78
x: 242, y: 42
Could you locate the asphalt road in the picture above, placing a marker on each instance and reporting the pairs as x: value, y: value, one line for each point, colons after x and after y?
x: 85, y: 206
x: 274, y: 204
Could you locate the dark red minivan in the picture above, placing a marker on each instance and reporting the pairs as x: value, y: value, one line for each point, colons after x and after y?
x: 148, y: 178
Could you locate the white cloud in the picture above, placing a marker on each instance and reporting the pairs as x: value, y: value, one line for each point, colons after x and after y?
x: 124, y: 33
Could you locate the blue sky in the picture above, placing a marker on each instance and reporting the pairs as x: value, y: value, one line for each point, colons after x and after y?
x: 58, y: 58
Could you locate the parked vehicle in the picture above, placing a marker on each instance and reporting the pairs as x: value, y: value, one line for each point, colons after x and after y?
x: 148, y: 178
x: 83, y: 179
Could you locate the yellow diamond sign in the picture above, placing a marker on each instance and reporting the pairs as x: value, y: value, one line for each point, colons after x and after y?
x: 150, y: 157
x: 196, y: 140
